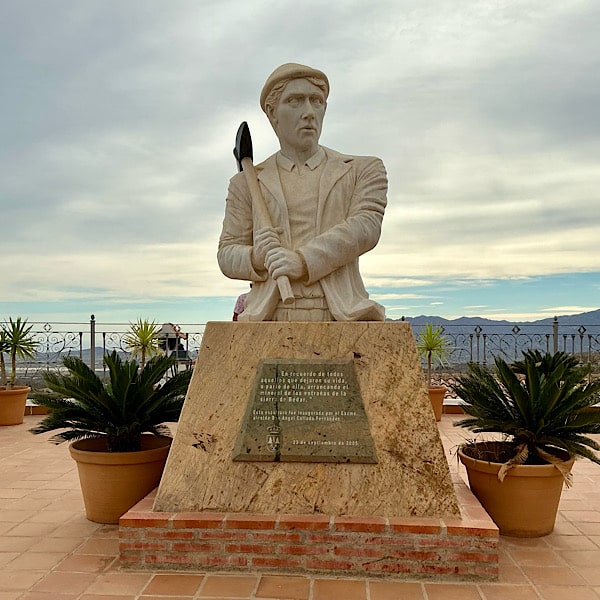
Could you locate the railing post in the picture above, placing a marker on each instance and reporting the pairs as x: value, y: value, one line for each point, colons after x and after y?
x: 555, y: 335
x: 93, y: 343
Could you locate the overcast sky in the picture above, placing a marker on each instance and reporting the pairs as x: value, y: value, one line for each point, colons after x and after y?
x: 118, y: 119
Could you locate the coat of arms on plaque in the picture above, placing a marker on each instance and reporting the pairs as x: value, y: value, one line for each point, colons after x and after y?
x: 273, y: 438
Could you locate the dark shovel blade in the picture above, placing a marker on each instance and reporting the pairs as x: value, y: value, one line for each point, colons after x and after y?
x: 243, y: 144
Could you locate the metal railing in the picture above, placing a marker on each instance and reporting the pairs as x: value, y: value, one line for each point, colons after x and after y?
x: 482, y: 343
x: 478, y: 343
x: 91, y: 341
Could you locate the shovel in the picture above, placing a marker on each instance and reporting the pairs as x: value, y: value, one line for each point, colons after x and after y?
x: 243, y: 155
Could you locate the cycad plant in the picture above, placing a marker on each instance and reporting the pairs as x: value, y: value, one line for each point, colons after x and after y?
x: 435, y: 346
x: 132, y: 401
x: 3, y: 349
x: 142, y: 339
x: 538, y: 403
x: 17, y: 341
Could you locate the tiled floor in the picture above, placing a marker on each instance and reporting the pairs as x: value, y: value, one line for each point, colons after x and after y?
x: 49, y: 551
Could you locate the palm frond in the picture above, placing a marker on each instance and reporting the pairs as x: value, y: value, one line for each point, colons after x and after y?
x: 539, y: 401
x: 129, y: 403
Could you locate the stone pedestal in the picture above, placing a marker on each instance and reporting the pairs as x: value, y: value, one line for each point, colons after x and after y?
x: 409, y: 479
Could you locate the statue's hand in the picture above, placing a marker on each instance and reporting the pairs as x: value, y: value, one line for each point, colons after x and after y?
x: 282, y: 261
x: 265, y: 239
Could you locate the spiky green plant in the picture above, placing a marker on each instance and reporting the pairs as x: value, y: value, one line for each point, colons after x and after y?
x: 3, y: 349
x: 132, y: 401
x: 18, y: 342
x: 538, y: 403
x: 142, y: 339
x: 434, y: 345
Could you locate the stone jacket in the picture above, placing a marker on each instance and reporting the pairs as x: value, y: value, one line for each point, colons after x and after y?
x: 351, y: 204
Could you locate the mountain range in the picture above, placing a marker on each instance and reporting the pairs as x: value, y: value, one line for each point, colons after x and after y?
x: 587, y: 319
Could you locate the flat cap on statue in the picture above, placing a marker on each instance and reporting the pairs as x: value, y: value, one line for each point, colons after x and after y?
x: 290, y: 71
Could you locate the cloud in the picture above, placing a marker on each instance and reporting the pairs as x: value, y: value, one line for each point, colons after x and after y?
x: 115, y: 158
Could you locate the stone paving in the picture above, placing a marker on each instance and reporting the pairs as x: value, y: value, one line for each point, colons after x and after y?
x: 50, y: 551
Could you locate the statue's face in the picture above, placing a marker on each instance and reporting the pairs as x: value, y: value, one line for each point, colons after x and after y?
x: 298, y: 117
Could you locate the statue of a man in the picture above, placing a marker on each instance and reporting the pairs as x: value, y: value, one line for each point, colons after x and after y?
x: 326, y: 209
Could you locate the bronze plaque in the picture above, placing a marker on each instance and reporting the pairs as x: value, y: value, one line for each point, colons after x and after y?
x: 305, y: 411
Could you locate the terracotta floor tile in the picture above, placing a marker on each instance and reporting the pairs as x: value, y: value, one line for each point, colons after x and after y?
x: 571, y: 542
x: 507, y: 543
x: 566, y: 592
x: 348, y: 589
x: 588, y: 528
x: 509, y: 592
x: 19, y: 580
x: 15, y: 516
x: 28, y: 528
x: 584, y: 516
x: 119, y: 583
x: 451, y: 591
x: 36, y: 561
x: 228, y: 586
x: 395, y: 590
x: 109, y: 546
x: 12, y: 493
x: 24, y: 484
x: 9, y: 543
x: 144, y: 597
x: 591, y: 575
x: 51, y: 516
x: 553, y: 576
x: 29, y: 503
x: 582, y: 558
x: 77, y: 529
x: 85, y: 563
x: 42, y: 596
x: 565, y: 528
x: 42, y: 520
x: 57, y: 583
x: 504, y: 557
x: 574, y: 504
x: 543, y: 557
x: 103, y: 531
x: 179, y: 584
x: 6, y: 557
x: 55, y: 544
x: 112, y: 597
x: 283, y: 588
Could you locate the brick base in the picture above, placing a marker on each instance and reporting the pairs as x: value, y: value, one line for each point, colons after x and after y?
x: 465, y: 549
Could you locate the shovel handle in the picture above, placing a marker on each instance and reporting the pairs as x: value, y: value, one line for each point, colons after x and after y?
x: 258, y: 202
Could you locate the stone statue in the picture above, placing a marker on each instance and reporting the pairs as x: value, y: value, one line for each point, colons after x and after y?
x: 326, y: 210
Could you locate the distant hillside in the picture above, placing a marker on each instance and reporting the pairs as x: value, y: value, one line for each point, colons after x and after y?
x: 587, y: 319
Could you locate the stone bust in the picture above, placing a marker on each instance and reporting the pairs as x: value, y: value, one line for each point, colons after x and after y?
x: 326, y: 210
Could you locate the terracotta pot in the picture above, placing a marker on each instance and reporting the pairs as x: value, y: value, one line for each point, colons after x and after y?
x: 436, y: 397
x: 12, y: 404
x: 526, y: 502
x: 112, y: 482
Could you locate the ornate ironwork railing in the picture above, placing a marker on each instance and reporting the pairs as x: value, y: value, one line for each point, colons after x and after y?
x: 91, y: 341
x: 483, y: 343
x: 470, y: 343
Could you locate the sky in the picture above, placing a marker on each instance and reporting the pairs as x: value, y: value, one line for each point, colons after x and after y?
x: 118, y: 119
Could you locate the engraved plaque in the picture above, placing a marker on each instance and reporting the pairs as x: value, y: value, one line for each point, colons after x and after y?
x: 305, y: 411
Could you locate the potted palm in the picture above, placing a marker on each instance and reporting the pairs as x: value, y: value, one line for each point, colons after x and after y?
x: 16, y: 341
x: 435, y: 346
x: 142, y: 339
x: 116, y: 427
x: 540, y: 407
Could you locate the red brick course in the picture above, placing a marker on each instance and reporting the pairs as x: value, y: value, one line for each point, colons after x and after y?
x: 450, y: 549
